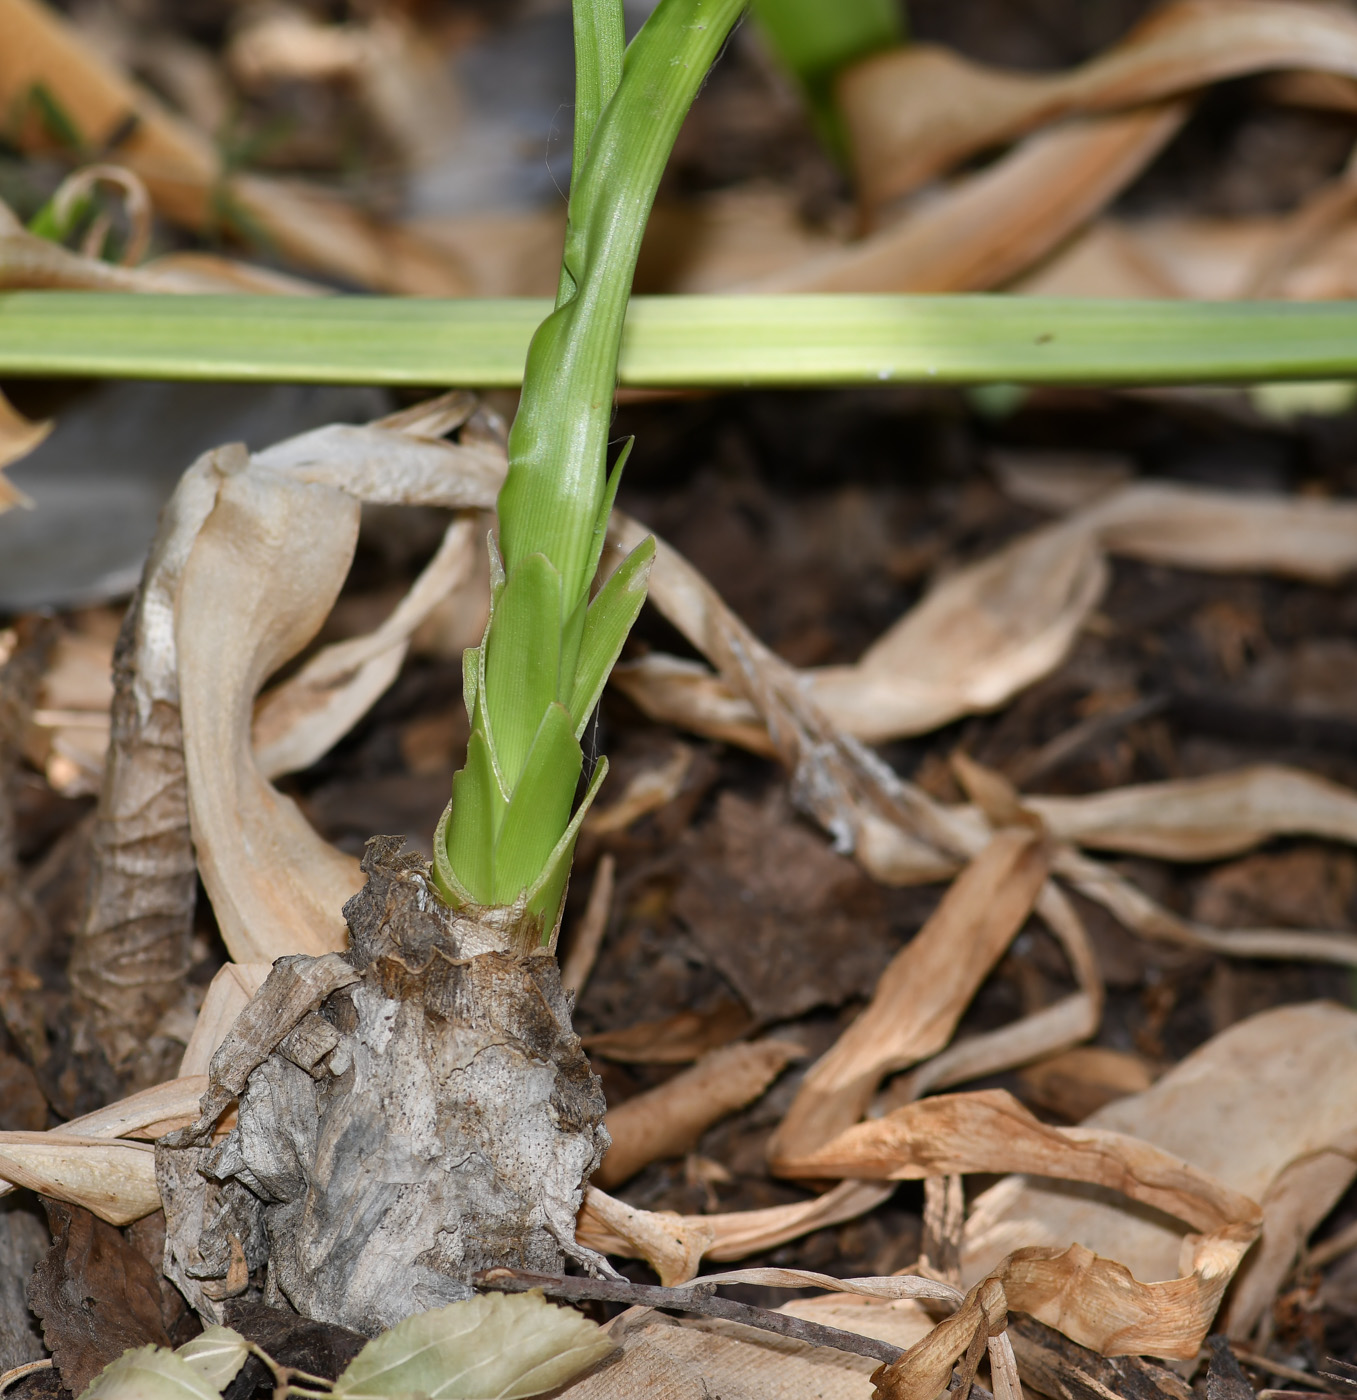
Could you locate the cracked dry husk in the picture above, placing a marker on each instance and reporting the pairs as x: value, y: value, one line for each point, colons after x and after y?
x: 433, y: 1116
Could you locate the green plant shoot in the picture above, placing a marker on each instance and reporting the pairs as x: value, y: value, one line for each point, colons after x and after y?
x: 507, y: 837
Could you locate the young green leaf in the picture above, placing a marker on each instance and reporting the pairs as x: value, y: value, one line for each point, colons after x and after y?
x: 150, y: 1373
x: 609, y: 619
x: 546, y: 895
x: 496, y: 1346
x: 540, y: 807
x: 522, y: 661
x: 216, y: 1354
x: 470, y: 843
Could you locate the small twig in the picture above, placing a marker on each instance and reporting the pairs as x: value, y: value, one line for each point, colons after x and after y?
x: 1326, y: 1251
x: 588, y: 935
x: 699, y: 1298
x: 1275, y: 1368
x: 1070, y: 742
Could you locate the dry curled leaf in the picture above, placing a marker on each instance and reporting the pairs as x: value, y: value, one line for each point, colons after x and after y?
x: 921, y: 997
x: 1265, y: 1107
x: 915, y: 112
x: 183, y: 170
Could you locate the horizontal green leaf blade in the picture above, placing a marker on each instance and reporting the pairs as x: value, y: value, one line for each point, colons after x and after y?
x: 681, y: 341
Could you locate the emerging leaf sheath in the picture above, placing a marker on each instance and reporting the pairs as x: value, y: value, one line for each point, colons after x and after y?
x: 537, y: 675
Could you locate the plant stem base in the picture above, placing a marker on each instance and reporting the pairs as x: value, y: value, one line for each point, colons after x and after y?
x: 435, y: 1117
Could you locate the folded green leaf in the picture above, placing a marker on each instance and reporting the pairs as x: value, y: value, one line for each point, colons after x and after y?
x: 607, y: 623
x: 475, y: 813
x: 546, y: 896
x: 493, y: 1347
x: 522, y: 662
x: 540, y: 806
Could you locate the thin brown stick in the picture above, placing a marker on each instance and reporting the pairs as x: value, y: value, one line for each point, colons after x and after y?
x: 588, y: 939
x: 698, y: 1298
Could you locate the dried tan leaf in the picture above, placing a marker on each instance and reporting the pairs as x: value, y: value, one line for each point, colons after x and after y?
x: 992, y: 628
x: 694, y: 1359
x: 18, y: 437
x: 920, y: 997
x: 227, y: 996
x: 275, y: 885
x: 915, y: 112
x: 1194, y: 819
x: 69, y: 733
x: 1261, y: 1107
x: 674, y: 1245
x: 1091, y: 1297
x: 114, y: 1180
x: 587, y: 936
x: 182, y: 170
x: 668, y: 1120
x: 990, y: 227
x: 976, y: 639
x: 649, y: 790
x: 1076, y: 1083
x: 303, y: 717
x: 81, y: 1161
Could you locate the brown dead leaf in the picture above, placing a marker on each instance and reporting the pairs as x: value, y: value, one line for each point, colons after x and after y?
x: 915, y: 112
x: 95, y: 1294
x: 1091, y: 1298
x: 990, y: 227
x: 18, y: 437
x: 1264, y: 1107
x: 667, y: 1121
x: 182, y: 169
x: 1076, y: 1083
x: 919, y: 999
x: 1304, y: 887
x: 788, y: 923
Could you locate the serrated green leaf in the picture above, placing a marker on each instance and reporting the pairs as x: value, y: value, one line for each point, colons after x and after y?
x: 522, y: 661
x: 540, y: 806
x: 610, y: 617
x: 493, y: 1347
x: 150, y: 1373
x: 216, y: 1354
x: 477, y: 808
x: 546, y: 896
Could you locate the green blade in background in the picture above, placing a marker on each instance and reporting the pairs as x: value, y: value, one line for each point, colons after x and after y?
x: 681, y: 341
